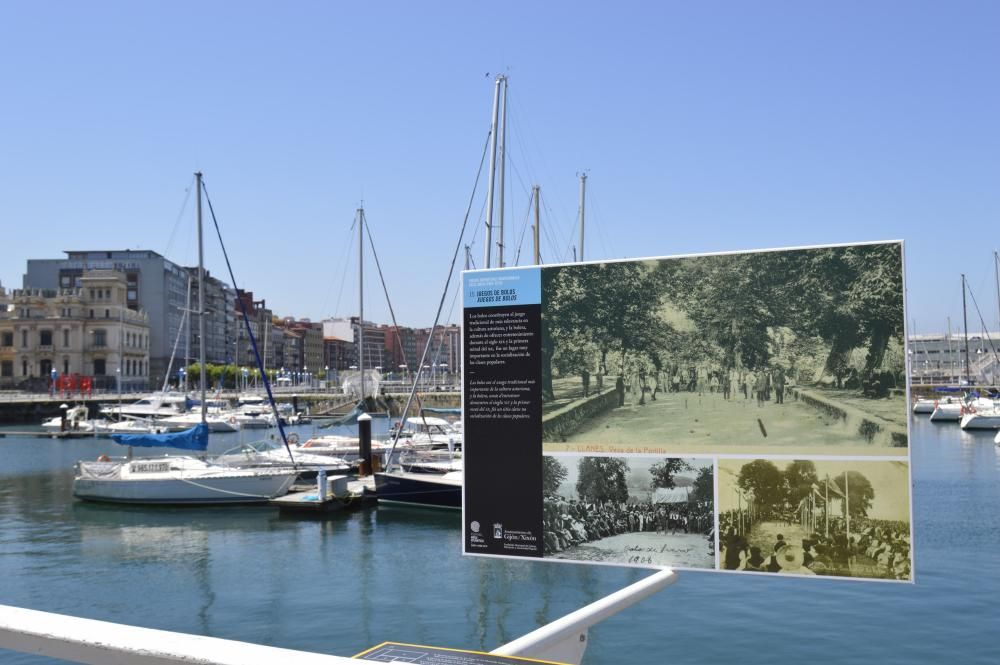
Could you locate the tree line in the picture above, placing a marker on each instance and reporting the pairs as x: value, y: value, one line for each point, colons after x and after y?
x: 831, y: 300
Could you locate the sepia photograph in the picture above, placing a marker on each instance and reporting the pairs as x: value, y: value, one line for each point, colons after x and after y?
x: 770, y: 352
x: 641, y: 511
x: 823, y: 517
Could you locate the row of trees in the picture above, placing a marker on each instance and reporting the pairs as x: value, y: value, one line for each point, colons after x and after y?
x: 724, y: 308
x: 774, y: 490
x: 229, y: 376
x: 602, y: 479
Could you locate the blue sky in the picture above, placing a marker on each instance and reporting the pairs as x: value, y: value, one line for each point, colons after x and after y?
x: 704, y: 127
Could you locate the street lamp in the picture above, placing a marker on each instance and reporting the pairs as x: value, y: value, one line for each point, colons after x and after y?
x: 305, y: 375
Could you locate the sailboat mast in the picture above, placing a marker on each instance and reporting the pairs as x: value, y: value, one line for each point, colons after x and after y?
x: 996, y: 274
x: 201, y: 304
x: 965, y: 326
x: 583, y: 206
x: 488, y: 242
x: 535, y: 234
x: 361, y: 298
x: 503, y: 168
x: 187, y: 335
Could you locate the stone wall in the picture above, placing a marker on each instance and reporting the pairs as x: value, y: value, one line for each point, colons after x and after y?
x: 868, y: 426
x: 556, y: 426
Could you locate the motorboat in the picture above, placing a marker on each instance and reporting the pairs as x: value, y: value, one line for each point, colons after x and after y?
x: 957, y: 408
x: 268, y: 454
x: 431, y: 432
x: 947, y: 412
x: 76, y: 420
x: 337, y: 445
x: 156, y: 405
x: 928, y: 404
x: 253, y: 416
x: 217, y: 422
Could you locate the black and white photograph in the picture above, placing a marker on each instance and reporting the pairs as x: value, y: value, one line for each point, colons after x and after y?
x: 822, y: 517
x: 770, y: 352
x: 642, y: 511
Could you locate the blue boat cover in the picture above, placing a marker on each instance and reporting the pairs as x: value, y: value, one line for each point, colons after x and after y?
x: 195, y: 438
x: 948, y: 389
x: 442, y: 409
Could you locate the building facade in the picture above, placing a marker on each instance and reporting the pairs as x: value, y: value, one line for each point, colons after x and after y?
x: 87, y: 330
x: 220, y: 321
x: 941, y: 359
x: 153, y: 283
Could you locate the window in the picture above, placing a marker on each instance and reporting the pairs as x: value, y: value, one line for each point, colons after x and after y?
x: 45, y: 337
x: 65, y: 366
x: 91, y: 313
x: 65, y: 338
x: 92, y: 296
x: 64, y: 281
x: 107, y: 313
x: 24, y: 339
x: 7, y: 368
x: 107, y: 294
x: 7, y: 339
x: 100, y: 338
x: 132, y: 294
x: 100, y: 367
x: 24, y: 368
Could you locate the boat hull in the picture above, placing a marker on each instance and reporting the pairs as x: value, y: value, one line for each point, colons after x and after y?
x: 418, y: 489
x: 178, y: 491
x: 947, y: 413
x: 981, y: 420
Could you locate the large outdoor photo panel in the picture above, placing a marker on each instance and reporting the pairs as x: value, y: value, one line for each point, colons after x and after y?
x: 600, y: 398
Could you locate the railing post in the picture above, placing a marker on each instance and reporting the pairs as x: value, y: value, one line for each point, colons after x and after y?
x: 565, y: 640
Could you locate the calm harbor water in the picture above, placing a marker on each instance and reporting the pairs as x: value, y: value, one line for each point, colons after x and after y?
x: 341, y: 584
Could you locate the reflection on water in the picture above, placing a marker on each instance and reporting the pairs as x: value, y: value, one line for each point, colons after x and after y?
x: 348, y: 581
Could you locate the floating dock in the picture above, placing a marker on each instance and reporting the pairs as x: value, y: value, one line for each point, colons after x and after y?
x: 342, y: 492
x: 40, y: 434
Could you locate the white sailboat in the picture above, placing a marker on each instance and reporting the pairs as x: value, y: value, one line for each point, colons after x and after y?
x: 178, y: 479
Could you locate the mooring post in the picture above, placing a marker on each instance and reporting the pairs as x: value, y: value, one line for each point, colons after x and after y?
x: 365, y: 444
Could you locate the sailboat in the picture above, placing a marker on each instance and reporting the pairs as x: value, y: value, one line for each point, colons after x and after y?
x: 421, y: 482
x: 176, y: 479
x: 438, y: 483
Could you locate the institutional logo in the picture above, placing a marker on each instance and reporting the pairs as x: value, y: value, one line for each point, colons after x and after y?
x: 498, y: 531
x: 474, y: 526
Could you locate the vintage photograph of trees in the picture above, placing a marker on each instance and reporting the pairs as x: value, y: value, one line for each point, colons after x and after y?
x: 765, y: 352
x: 815, y: 517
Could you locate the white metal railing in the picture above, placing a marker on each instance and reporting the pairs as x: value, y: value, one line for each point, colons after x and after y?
x: 106, y: 643
x: 564, y: 640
